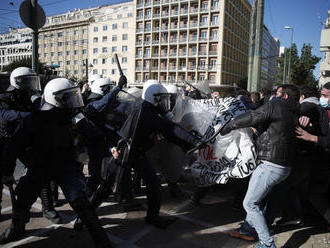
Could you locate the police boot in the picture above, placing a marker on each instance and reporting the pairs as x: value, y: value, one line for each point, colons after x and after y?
x: 88, y: 216
x: 16, y: 229
x: 161, y: 222
x: 48, y: 206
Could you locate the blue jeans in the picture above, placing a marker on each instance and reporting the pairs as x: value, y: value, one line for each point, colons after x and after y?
x: 263, y: 179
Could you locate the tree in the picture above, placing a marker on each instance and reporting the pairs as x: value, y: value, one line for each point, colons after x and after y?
x: 27, y: 62
x: 301, y: 68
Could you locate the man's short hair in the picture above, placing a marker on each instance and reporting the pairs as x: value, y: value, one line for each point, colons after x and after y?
x: 291, y: 90
x: 309, y: 91
x: 326, y: 86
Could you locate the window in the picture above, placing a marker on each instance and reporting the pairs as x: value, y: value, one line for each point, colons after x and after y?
x: 84, y: 51
x: 75, y: 52
x: 124, y: 49
x: 75, y: 42
x: 113, y: 61
x: 60, y: 63
x: 129, y: 14
x: 114, y: 49
x: 59, y: 54
x: 113, y: 71
x: 75, y: 62
x: 104, y: 49
x: 84, y: 31
x: 45, y: 54
x: 52, y: 54
x: 68, y: 62
x: 94, y: 61
x: 75, y: 72
x: 95, y: 40
x: 104, y: 61
x: 114, y: 38
x: 105, y: 27
x: 104, y: 71
x: 114, y: 26
x: 119, y: 16
x: 83, y: 41
x: 67, y: 43
x: 124, y: 59
x: 124, y: 37
x: 125, y: 24
x: 45, y: 45
x: 59, y: 43
x: 95, y: 50
x: 95, y: 71
x: 96, y: 29
x: 104, y: 38
x: 75, y: 32
x: 60, y: 34
x: 67, y: 52
x: 51, y: 44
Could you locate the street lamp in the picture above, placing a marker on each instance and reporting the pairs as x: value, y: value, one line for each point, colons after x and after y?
x: 288, y: 27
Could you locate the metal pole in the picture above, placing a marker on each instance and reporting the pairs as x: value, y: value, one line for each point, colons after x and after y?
x: 34, y: 4
x: 284, y: 66
x: 86, y: 66
x: 253, y: 20
x: 289, y: 69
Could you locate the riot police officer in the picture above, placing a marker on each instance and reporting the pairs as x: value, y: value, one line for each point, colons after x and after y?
x: 48, y: 133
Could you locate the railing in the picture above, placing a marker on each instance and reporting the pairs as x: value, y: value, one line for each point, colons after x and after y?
x: 205, y: 9
x: 155, y: 29
x: 202, y: 38
x: 139, y: 30
x: 138, y: 68
x: 146, y: 55
x: 183, y: 25
x: 155, y: 42
x: 202, y: 53
x: 139, y: 17
x: 193, y: 25
x: 173, y: 54
x: 184, y: 11
x: 174, y: 26
x: 174, y: 13
x: 183, y: 54
x: 192, y: 53
x: 173, y: 40
x: 139, y: 43
x: 148, y: 42
x: 138, y: 56
x: 213, y: 53
x: 193, y: 39
x: 215, y: 23
x: 183, y: 40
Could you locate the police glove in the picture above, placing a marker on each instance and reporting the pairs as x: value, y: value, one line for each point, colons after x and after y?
x: 122, y: 81
x: 8, y: 180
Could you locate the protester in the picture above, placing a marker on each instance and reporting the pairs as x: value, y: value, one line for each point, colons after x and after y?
x: 276, y: 147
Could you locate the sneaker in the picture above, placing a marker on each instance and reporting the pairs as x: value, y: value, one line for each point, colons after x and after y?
x: 262, y: 245
x: 239, y: 233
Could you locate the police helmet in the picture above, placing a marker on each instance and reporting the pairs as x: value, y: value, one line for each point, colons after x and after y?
x: 61, y: 93
x: 101, y: 86
x: 24, y: 78
x: 156, y: 94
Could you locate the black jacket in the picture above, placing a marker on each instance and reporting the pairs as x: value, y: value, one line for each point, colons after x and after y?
x: 148, y: 124
x: 278, y: 120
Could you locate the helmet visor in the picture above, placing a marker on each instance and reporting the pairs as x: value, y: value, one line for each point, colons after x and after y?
x: 69, y: 98
x: 29, y: 82
x: 163, y: 102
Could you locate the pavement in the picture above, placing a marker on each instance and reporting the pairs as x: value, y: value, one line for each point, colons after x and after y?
x: 202, y: 226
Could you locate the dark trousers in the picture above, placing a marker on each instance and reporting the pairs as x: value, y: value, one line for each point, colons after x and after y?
x: 71, y: 180
x: 153, y: 186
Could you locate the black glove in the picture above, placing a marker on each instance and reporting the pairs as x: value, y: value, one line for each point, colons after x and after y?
x: 122, y: 81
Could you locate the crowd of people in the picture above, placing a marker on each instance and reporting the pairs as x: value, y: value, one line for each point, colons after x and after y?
x: 47, y: 128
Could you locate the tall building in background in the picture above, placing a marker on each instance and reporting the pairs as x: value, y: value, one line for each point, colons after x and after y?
x: 193, y: 40
x: 15, y: 45
x: 325, y: 47
x: 63, y: 41
x: 113, y: 31
x: 269, y: 64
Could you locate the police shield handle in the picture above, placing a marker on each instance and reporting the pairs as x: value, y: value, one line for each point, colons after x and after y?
x: 199, y: 146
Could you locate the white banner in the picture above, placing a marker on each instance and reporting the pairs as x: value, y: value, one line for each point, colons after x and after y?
x: 229, y: 156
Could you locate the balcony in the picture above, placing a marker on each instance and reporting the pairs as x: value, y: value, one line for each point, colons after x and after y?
x: 155, y: 55
x: 147, y: 3
x: 184, y: 11
x: 183, y: 26
x: 174, y: 40
x: 139, y: 17
x: 138, y: 68
x: 203, y: 39
x: 182, y: 68
x: 192, y: 68
x: 215, y: 23
x: 174, y: 13
x: 146, y: 55
x: 205, y: 9
x: 147, y: 30
x: 164, y: 68
x: 173, y: 54
x: 214, y: 8
x: 154, y: 68
x: 164, y: 28
x: 147, y: 42
x: 193, y: 25
x: 192, y: 53
x: 183, y: 40
x: 156, y: 15
x: 163, y: 41
x: 172, y: 67
x: 213, y: 53
x: 173, y: 26
x: 165, y: 1
x: 155, y: 29
x: 203, y: 24
x: 156, y: 2
x: 212, y: 67
x: 182, y: 53
x: 155, y: 42
x: 146, y: 68
x: 194, y: 10
x: 138, y: 56
x: 139, y: 43
x: 164, y: 14
x: 139, y: 5
x: 202, y: 53
x: 139, y: 30
x: 214, y: 38
x: 163, y: 54
x: 201, y: 67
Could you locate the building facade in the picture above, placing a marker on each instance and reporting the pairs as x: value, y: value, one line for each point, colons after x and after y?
x: 192, y: 40
x: 325, y: 47
x: 269, y: 64
x: 63, y: 41
x: 15, y: 45
x: 113, y: 32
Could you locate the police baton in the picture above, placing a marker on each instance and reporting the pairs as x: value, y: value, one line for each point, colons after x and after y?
x: 12, y: 195
x: 118, y: 65
x: 211, y: 138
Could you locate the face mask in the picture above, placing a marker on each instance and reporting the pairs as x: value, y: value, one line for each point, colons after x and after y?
x: 324, y: 102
